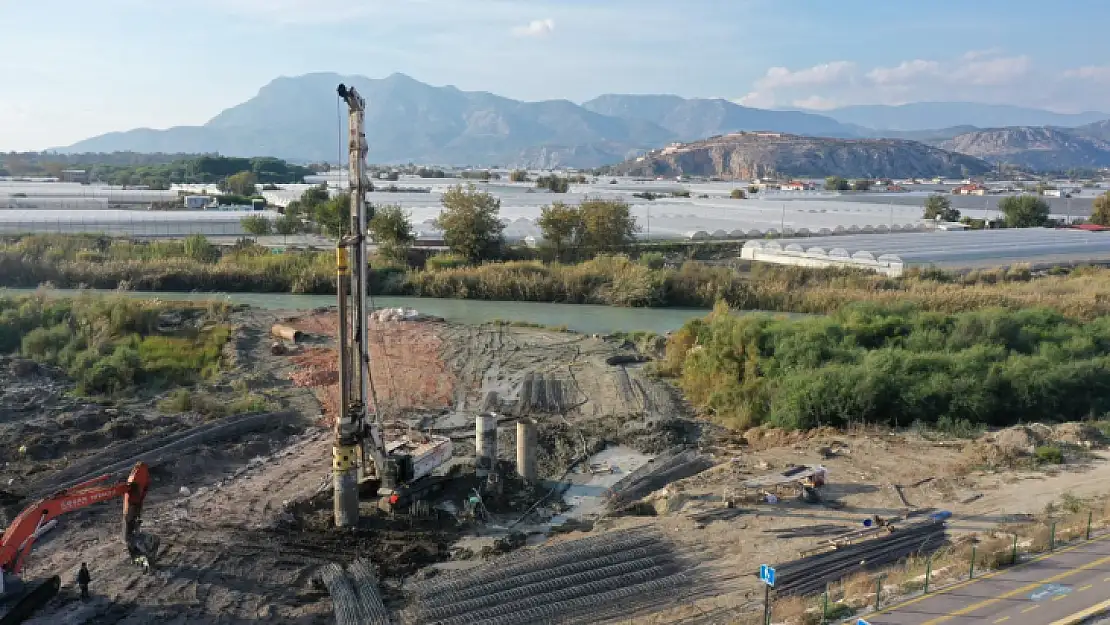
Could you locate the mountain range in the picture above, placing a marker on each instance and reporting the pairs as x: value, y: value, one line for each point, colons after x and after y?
x: 409, y: 121
x: 919, y: 116
x: 749, y: 155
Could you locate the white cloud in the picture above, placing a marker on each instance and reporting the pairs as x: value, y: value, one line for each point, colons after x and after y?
x: 535, y: 28
x: 782, y: 78
x: 996, y: 71
x: 824, y: 74
x: 978, y: 75
x: 816, y: 103
x: 1099, y: 73
x: 972, y: 55
x: 905, y: 72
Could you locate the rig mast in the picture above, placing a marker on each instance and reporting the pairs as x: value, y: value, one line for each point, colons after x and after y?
x: 356, y: 434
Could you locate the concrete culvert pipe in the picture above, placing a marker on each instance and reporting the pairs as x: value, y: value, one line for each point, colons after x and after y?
x: 287, y: 333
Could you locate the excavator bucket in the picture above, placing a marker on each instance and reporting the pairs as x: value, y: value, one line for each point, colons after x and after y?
x: 143, y: 549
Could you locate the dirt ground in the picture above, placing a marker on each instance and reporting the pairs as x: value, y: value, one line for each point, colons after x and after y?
x: 243, y: 521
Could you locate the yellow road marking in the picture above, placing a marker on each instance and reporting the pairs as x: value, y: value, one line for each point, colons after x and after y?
x: 1030, y: 609
x: 1087, y: 587
x: 1080, y: 617
x: 1002, y: 620
x: 969, y: 582
x: 1019, y: 591
x: 1059, y: 597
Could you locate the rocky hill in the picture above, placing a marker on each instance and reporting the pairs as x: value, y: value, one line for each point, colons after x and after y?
x: 410, y: 121
x: 748, y: 155
x: 1040, y: 148
x: 1098, y: 130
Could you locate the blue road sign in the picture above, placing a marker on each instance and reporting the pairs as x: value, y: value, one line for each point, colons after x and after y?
x: 862, y: 622
x: 767, y: 574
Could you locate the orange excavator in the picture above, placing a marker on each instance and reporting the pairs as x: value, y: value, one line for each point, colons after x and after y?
x: 20, y: 600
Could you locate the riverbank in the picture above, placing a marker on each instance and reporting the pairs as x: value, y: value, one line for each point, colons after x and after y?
x: 69, y: 262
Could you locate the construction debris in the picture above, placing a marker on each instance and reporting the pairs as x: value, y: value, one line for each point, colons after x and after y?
x: 655, y: 475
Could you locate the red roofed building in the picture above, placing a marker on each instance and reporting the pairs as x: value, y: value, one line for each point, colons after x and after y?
x: 970, y: 189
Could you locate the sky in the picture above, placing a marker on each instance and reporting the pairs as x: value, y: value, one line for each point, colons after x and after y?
x: 72, y: 69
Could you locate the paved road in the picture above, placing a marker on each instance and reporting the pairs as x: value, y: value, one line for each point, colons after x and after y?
x: 1049, y: 590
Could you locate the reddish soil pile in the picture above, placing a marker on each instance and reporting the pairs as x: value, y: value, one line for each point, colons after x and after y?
x: 408, y: 371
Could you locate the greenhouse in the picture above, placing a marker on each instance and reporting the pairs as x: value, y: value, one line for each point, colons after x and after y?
x: 892, y: 253
x: 139, y: 223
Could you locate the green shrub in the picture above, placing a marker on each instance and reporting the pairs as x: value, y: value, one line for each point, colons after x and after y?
x: 894, y: 366
x: 652, y: 260
x: 108, y: 344
x: 440, y: 262
x: 1049, y: 454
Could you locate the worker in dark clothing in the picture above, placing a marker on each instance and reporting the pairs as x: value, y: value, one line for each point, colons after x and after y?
x: 83, y: 580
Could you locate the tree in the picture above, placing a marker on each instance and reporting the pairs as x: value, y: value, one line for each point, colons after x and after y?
x: 940, y: 207
x: 606, y: 225
x: 391, y: 227
x: 258, y: 225
x: 287, y: 224
x: 1024, y: 211
x: 836, y: 183
x: 861, y: 185
x: 560, y: 225
x: 555, y: 184
x: 334, y: 216
x: 518, y: 175
x: 470, y: 222
x: 1100, y: 211
x: 243, y: 183
x: 737, y: 194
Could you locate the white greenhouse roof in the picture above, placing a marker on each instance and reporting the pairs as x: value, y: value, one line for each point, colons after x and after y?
x: 126, y: 216
x: 973, y: 248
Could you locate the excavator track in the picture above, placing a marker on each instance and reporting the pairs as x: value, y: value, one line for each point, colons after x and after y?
x: 31, y: 601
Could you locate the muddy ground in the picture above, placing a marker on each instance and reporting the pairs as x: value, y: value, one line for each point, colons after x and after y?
x: 244, y: 519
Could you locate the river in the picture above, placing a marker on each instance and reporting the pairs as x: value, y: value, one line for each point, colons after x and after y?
x: 585, y: 318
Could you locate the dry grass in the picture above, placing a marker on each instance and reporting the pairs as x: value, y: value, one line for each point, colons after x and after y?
x: 615, y: 280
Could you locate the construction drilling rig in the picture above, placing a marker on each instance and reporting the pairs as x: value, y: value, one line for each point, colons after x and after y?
x: 360, y: 457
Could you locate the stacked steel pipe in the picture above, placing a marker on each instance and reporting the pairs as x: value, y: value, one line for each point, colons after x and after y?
x: 810, y: 574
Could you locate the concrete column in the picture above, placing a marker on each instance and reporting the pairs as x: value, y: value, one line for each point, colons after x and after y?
x: 526, y: 449
x: 485, y: 443
x: 345, y: 483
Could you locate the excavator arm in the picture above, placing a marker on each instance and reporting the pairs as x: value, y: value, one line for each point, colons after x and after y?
x: 20, y: 536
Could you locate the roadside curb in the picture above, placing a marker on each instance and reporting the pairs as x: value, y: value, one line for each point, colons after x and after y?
x: 1082, y: 617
